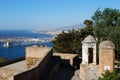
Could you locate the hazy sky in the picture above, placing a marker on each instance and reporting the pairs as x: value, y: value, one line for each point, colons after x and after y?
x: 49, y: 14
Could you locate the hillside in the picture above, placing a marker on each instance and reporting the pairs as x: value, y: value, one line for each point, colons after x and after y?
x: 59, y: 30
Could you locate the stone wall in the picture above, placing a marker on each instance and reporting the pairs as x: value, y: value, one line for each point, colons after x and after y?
x: 106, y: 60
x: 106, y: 56
x: 37, y: 70
x: 54, y: 70
x: 89, y: 72
x: 66, y: 58
x: 33, y: 54
x: 83, y: 71
x: 12, y: 61
x: 31, y: 62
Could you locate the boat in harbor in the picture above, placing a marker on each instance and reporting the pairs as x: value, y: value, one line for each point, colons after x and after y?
x: 7, y: 44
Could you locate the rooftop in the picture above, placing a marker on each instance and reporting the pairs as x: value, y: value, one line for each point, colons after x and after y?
x: 107, y: 44
x: 89, y: 39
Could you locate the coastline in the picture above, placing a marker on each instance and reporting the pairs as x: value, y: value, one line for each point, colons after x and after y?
x: 28, y: 38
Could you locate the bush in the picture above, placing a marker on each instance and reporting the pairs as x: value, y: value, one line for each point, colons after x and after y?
x: 3, y: 59
x: 110, y: 76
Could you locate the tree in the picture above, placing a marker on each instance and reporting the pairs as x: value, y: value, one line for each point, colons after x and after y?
x: 89, y: 27
x: 118, y: 63
x: 3, y: 59
x: 70, y: 42
x: 104, y: 20
x: 88, y: 23
x: 62, y: 43
x: 110, y: 76
x: 107, y: 17
x: 107, y: 26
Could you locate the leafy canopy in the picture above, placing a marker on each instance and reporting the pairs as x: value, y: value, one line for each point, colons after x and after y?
x: 107, y: 26
x: 3, y: 59
x: 70, y: 42
x: 110, y: 76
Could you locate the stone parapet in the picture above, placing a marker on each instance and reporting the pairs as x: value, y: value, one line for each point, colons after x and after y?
x: 31, y: 61
x: 89, y: 72
x: 66, y: 57
x: 36, y: 65
x: 33, y: 54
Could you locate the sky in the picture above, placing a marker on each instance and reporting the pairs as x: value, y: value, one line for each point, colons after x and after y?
x: 49, y: 14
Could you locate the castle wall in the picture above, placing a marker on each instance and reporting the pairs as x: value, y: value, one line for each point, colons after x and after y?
x: 33, y: 54
x: 36, y: 72
x: 66, y: 58
x: 11, y: 61
x: 89, y: 72
x: 106, y: 60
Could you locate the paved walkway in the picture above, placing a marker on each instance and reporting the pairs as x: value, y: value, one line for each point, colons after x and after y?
x: 17, y: 66
x: 65, y: 73
x: 12, y: 69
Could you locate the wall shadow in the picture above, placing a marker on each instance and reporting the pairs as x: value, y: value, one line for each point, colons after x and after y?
x: 65, y: 72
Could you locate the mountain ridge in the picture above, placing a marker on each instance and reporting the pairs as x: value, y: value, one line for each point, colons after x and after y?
x: 59, y: 30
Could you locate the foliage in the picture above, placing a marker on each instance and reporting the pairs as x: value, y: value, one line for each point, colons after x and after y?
x: 107, y: 26
x: 63, y: 42
x: 118, y: 63
x: 3, y: 59
x: 105, y: 21
x: 70, y: 42
x: 110, y: 76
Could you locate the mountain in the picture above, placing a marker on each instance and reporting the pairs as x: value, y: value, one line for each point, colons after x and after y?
x: 59, y: 30
x: 75, y: 27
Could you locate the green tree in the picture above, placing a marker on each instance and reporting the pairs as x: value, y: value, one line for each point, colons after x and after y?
x: 110, y: 76
x: 81, y: 34
x: 107, y: 26
x: 3, y: 59
x: 107, y: 17
x: 118, y: 63
x: 88, y: 23
x: 89, y: 27
x: 70, y: 42
x: 104, y: 21
x: 63, y: 42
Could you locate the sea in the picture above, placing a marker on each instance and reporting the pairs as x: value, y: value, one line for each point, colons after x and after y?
x: 15, y: 52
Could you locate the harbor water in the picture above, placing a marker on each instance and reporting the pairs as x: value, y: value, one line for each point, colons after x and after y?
x: 14, y: 52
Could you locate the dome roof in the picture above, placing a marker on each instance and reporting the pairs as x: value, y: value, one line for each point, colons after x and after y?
x: 107, y: 45
x: 89, y: 39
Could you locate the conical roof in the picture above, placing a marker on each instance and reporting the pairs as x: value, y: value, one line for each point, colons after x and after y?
x: 89, y: 39
x: 107, y: 44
